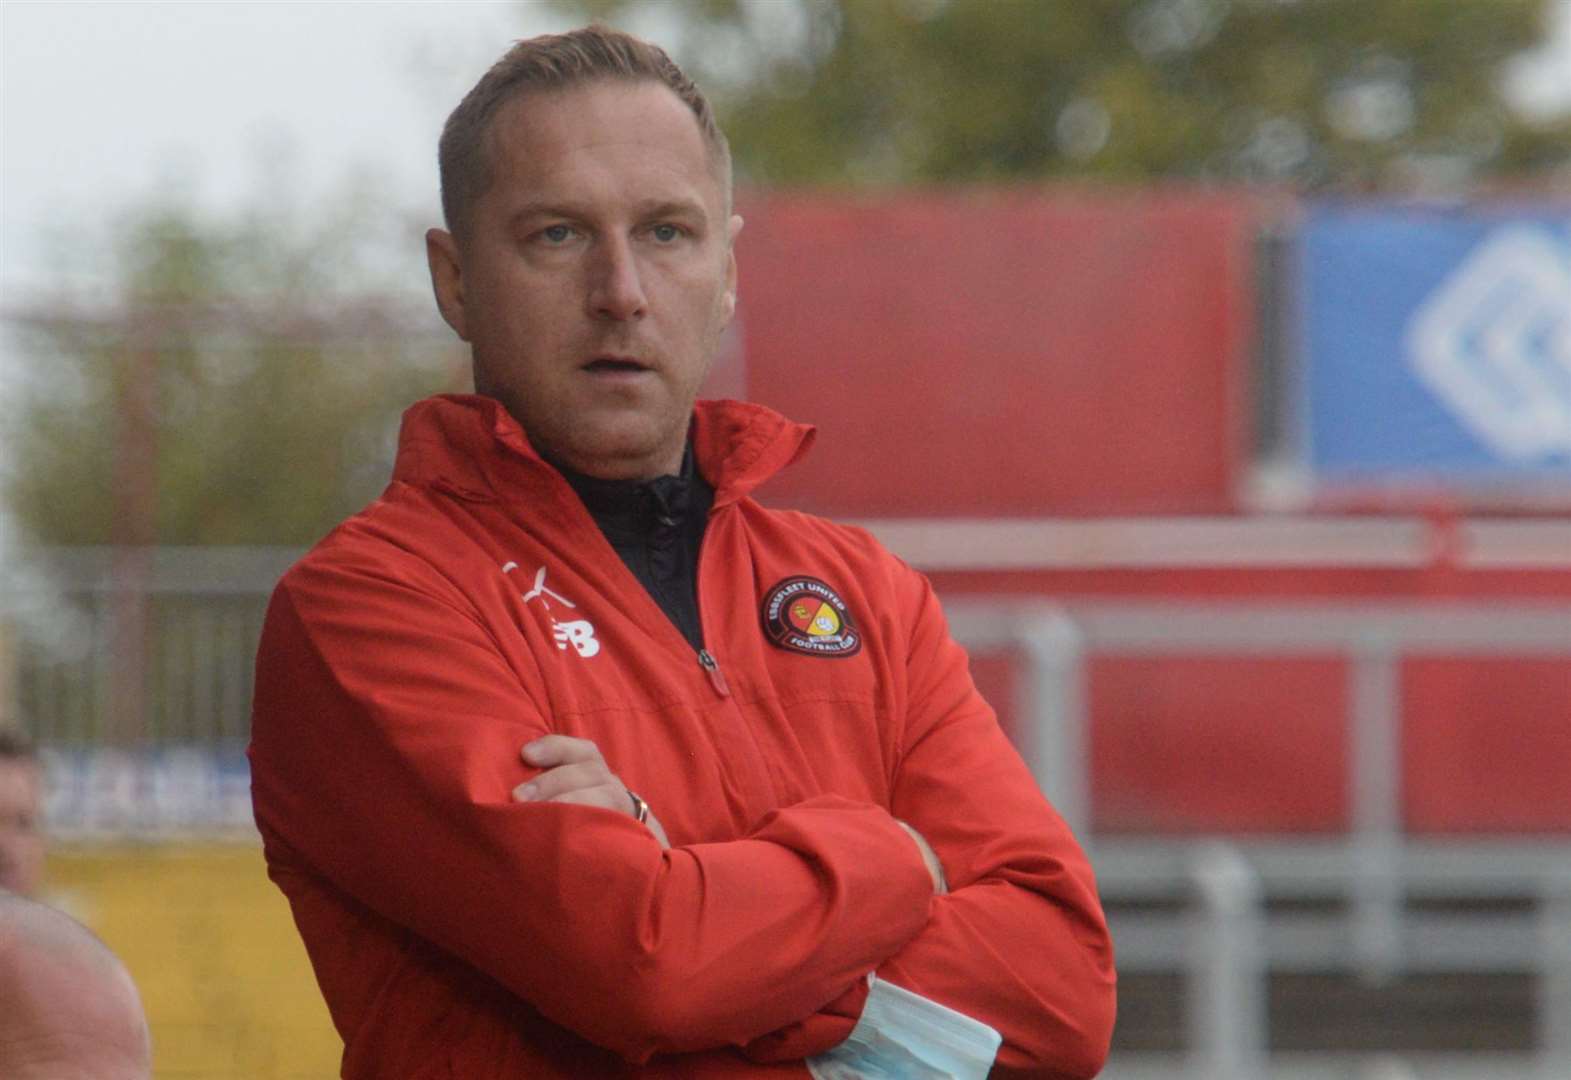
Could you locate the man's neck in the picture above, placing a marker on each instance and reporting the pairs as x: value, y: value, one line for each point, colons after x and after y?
x: 620, y: 471
x: 683, y: 468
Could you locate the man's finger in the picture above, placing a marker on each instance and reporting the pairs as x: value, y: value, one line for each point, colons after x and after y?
x: 564, y: 778
x: 606, y: 796
x: 551, y: 750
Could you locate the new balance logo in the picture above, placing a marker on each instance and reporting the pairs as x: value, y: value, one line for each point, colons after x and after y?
x: 540, y: 590
x: 579, y: 633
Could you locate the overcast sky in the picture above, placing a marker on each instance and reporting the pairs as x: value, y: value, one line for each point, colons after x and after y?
x: 103, y: 103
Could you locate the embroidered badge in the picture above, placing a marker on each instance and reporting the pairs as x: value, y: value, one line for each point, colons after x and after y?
x: 579, y: 633
x: 804, y: 615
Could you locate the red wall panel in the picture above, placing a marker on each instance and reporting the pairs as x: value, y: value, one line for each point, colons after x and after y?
x: 1002, y: 353
x: 1264, y: 584
x: 1185, y: 745
x: 1202, y: 744
x: 1487, y: 744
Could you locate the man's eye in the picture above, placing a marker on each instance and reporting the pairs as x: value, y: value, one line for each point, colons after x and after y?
x: 557, y: 234
x: 665, y: 234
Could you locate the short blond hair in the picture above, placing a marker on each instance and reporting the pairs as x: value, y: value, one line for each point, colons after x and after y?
x: 556, y: 62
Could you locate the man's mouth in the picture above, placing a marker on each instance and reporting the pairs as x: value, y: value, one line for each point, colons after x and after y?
x: 611, y: 365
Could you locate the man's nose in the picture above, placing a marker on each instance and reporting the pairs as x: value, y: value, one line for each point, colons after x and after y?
x: 616, y: 290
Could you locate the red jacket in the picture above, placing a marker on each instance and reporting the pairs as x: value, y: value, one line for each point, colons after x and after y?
x: 457, y: 933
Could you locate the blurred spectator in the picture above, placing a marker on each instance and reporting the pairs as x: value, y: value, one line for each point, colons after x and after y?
x: 71, y: 1009
x: 21, y: 803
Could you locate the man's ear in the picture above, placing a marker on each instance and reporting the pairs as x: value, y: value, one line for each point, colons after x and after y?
x: 733, y: 227
x: 447, y: 278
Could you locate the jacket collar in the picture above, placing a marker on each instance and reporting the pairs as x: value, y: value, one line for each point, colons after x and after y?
x: 637, y: 509
x: 471, y: 447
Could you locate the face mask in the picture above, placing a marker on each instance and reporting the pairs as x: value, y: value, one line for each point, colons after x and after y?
x: 905, y: 1036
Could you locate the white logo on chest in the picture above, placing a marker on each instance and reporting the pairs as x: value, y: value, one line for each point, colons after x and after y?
x: 579, y: 633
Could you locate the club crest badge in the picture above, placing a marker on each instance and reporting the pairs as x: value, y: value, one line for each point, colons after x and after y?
x: 802, y: 614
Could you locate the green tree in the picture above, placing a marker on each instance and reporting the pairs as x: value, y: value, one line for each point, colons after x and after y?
x: 241, y: 384
x: 1316, y: 94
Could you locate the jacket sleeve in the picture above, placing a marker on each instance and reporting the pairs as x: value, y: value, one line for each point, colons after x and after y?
x: 1020, y: 941
x: 385, y: 743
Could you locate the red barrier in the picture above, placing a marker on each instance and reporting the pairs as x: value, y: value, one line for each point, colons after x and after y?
x: 1002, y: 353
x: 1184, y: 744
x: 1207, y: 744
x: 1487, y: 745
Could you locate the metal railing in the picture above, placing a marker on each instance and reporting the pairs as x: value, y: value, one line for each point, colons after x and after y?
x: 139, y: 648
x: 1226, y: 939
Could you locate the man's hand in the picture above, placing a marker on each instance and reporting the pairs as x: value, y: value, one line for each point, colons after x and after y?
x: 575, y: 772
x: 930, y: 857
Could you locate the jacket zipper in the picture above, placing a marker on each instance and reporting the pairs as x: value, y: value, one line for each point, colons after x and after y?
x: 712, y: 668
x: 766, y: 793
x: 706, y: 659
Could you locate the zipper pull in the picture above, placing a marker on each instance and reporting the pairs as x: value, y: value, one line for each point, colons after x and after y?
x: 712, y: 669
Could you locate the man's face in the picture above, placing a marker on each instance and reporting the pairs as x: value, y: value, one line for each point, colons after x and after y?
x: 596, y: 274
x: 21, y: 835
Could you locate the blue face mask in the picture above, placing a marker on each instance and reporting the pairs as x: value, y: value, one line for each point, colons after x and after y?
x: 905, y: 1036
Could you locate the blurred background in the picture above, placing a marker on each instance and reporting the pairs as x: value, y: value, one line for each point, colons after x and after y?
x: 1212, y: 356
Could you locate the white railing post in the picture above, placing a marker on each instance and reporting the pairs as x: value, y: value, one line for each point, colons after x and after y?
x: 1374, y: 745
x: 1052, y: 704
x: 1554, y: 1005
x: 1226, y: 990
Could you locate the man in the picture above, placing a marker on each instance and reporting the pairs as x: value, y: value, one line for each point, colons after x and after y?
x: 21, y: 802
x: 572, y: 759
x: 70, y: 1011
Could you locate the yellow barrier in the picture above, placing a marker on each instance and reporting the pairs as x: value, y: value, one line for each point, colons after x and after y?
x: 227, y: 987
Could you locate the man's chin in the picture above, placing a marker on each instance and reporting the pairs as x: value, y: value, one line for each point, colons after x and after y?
x: 623, y: 451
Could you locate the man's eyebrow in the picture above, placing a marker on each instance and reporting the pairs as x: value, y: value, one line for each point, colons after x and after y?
x: 544, y: 210
x: 653, y: 208
x: 682, y: 207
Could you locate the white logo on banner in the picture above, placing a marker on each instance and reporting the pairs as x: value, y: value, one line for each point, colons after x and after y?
x: 1493, y: 343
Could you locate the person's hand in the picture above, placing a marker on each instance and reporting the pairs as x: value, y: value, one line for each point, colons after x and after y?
x: 930, y: 857
x: 575, y: 772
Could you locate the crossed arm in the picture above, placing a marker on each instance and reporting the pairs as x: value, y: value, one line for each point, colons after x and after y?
x: 574, y: 771
x: 637, y: 946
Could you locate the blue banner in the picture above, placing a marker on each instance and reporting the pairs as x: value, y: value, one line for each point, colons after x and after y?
x: 153, y: 793
x: 1436, y: 346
